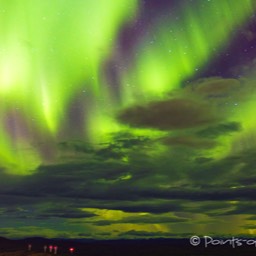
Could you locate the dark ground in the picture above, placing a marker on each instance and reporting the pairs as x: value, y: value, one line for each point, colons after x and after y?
x: 154, y: 247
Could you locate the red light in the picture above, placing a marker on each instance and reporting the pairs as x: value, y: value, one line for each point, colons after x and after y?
x: 71, y: 249
x: 50, y: 246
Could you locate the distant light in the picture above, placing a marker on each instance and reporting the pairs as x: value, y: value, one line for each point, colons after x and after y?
x: 55, y: 248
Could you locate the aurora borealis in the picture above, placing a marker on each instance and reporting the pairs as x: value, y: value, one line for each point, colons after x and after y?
x: 127, y: 118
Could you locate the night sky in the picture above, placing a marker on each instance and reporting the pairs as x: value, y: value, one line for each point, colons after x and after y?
x: 127, y: 119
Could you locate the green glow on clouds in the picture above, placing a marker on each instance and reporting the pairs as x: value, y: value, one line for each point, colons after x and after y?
x: 52, y: 51
x: 182, y: 47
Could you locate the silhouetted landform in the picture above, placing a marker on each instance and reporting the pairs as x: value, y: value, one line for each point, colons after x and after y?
x: 149, y: 247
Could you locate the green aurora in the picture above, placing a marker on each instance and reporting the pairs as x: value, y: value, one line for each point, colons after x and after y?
x: 158, y: 128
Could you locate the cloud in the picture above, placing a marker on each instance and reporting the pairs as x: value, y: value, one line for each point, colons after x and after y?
x: 175, y: 178
x: 64, y: 211
x: 102, y: 180
x: 191, y: 106
x: 249, y: 226
x: 171, y: 114
x: 208, y: 104
x: 142, y: 219
x: 33, y: 231
x: 153, y: 206
x: 136, y: 233
x: 178, y: 173
x: 243, y: 207
x: 189, y: 141
x: 215, y: 87
x: 220, y: 129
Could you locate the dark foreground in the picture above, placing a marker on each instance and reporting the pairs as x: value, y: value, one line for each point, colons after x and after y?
x: 154, y: 247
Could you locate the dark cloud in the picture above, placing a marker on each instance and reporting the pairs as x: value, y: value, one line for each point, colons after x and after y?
x: 243, y: 207
x: 10, y: 200
x: 75, y: 146
x: 210, y: 208
x: 249, y: 226
x: 134, y: 233
x: 64, y: 212
x: 127, y: 140
x: 248, y: 181
x: 192, y: 107
x: 175, y: 113
x: 120, y: 140
x: 179, y: 176
x: 251, y: 218
x: 215, y: 87
x: 175, y: 178
x: 220, y: 129
x: 144, y: 219
x: 190, y: 141
x: 152, y: 206
x: 200, y: 193
x: 85, y: 235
